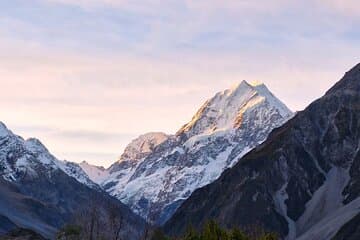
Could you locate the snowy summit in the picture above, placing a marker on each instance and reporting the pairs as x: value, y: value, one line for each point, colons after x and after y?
x: 157, y: 172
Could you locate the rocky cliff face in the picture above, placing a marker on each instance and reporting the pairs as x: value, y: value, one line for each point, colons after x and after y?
x: 226, y: 127
x: 302, y: 182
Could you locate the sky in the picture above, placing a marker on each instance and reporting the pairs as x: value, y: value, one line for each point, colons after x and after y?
x: 88, y: 76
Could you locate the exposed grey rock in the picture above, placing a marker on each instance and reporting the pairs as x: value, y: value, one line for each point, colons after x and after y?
x: 307, y: 171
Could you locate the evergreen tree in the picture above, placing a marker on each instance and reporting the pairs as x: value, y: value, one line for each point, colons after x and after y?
x: 212, y: 231
x: 191, y: 234
x: 236, y: 234
x: 159, y: 235
x: 269, y: 236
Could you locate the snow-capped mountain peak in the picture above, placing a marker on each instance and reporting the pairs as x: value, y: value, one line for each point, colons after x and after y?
x: 35, y: 145
x: 21, y: 158
x: 306, y: 172
x: 4, y: 131
x: 273, y: 101
x: 41, y: 193
x: 154, y: 180
x: 225, y: 110
x: 142, y: 146
x: 135, y: 152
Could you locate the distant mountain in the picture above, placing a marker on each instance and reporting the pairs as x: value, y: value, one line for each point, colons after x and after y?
x: 134, y: 154
x: 41, y: 193
x: 19, y: 157
x: 158, y: 172
x: 96, y: 173
x: 302, y: 182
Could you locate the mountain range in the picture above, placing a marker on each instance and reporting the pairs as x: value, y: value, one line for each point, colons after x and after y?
x: 243, y: 160
x: 41, y: 193
x: 157, y: 172
x: 303, y: 182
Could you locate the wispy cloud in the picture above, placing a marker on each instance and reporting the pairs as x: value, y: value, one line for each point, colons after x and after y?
x: 208, y: 7
x: 77, y: 144
x: 94, y: 135
x: 86, y: 69
x: 347, y: 8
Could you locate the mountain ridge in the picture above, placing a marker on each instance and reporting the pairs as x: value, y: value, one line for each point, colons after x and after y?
x: 223, y: 129
x: 304, y: 172
x: 42, y: 193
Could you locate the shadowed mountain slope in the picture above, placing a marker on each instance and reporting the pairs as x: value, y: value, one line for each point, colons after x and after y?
x: 302, y: 182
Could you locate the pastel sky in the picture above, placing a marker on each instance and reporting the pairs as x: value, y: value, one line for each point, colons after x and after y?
x: 87, y: 76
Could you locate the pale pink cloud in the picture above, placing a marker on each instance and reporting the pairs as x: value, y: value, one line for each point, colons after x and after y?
x: 76, y: 91
x: 206, y: 7
x: 343, y: 7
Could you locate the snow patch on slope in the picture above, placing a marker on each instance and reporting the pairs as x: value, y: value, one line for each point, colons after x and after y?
x: 120, y: 177
x: 200, y: 140
x: 215, y: 167
x: 96, y: 174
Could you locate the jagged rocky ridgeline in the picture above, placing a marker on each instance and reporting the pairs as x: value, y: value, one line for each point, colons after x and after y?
x: 157, y: 172
x: 41, y: 193
x: 303, y: 182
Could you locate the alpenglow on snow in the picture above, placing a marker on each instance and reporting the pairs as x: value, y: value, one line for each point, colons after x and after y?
x: 154, y: 180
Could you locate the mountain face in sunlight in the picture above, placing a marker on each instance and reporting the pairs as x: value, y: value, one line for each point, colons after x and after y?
x: 243, y: 160
x: 303, y: 182
x: 226, y: 109
x: 155, y: 181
